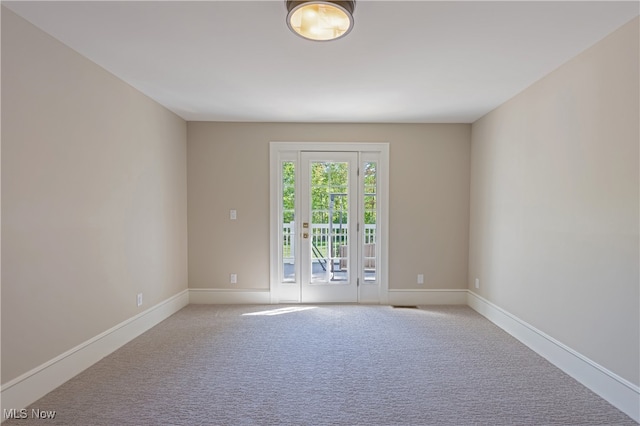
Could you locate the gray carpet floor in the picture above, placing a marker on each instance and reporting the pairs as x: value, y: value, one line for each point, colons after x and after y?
x: 327, y: 365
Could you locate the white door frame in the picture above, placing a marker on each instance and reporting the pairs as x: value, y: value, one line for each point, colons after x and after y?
x: 284, y: 151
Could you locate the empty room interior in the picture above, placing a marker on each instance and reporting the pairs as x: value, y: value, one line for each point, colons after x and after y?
x: 475, y: 162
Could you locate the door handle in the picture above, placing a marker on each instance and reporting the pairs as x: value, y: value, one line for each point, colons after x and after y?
x: 305, y: 235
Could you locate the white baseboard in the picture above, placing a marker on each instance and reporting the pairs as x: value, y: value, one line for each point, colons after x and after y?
x: 396, y: 297
x: 31, y: 386
x: 428, y: 297
x: 619, y: 392
x: 216, y: 296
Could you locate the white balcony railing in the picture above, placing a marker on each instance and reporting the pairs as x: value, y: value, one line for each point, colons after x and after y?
x: 320, y: 240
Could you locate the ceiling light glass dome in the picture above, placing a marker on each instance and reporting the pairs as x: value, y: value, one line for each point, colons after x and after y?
x: 320, y: 20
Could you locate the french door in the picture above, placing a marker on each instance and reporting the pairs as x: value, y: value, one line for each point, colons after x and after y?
x: 329, y: 216
x: 328, y: 242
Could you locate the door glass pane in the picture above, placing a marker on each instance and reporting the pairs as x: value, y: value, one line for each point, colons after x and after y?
x: 329, y: 227
x: 370, y: 216
x: 288, y: 221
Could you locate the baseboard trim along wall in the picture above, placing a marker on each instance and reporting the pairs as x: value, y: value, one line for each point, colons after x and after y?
x: 396, y: 297
x: 428, y: 297
x: 218, y: 296
x: 619, y: 392
x: 33, y: 385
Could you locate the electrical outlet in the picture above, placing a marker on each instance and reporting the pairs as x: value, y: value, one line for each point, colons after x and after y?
x: 420, y: 278
x: 139, y: 299
x: 233, y: 214
x: 477, y: 282
x: 233, y: 278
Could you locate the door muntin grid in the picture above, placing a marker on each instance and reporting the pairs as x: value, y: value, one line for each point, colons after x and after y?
x: 370, y: 216
x: 329, y: 224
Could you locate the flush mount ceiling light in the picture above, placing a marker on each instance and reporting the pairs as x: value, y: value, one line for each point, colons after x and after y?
x: 320, y: 20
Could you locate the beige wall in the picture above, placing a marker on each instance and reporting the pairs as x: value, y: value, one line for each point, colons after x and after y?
x: 93, y: 199
x: 228, y: 168
x: 554, y: 204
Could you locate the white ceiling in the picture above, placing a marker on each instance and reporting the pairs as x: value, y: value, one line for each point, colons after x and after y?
x: 404, y: 62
